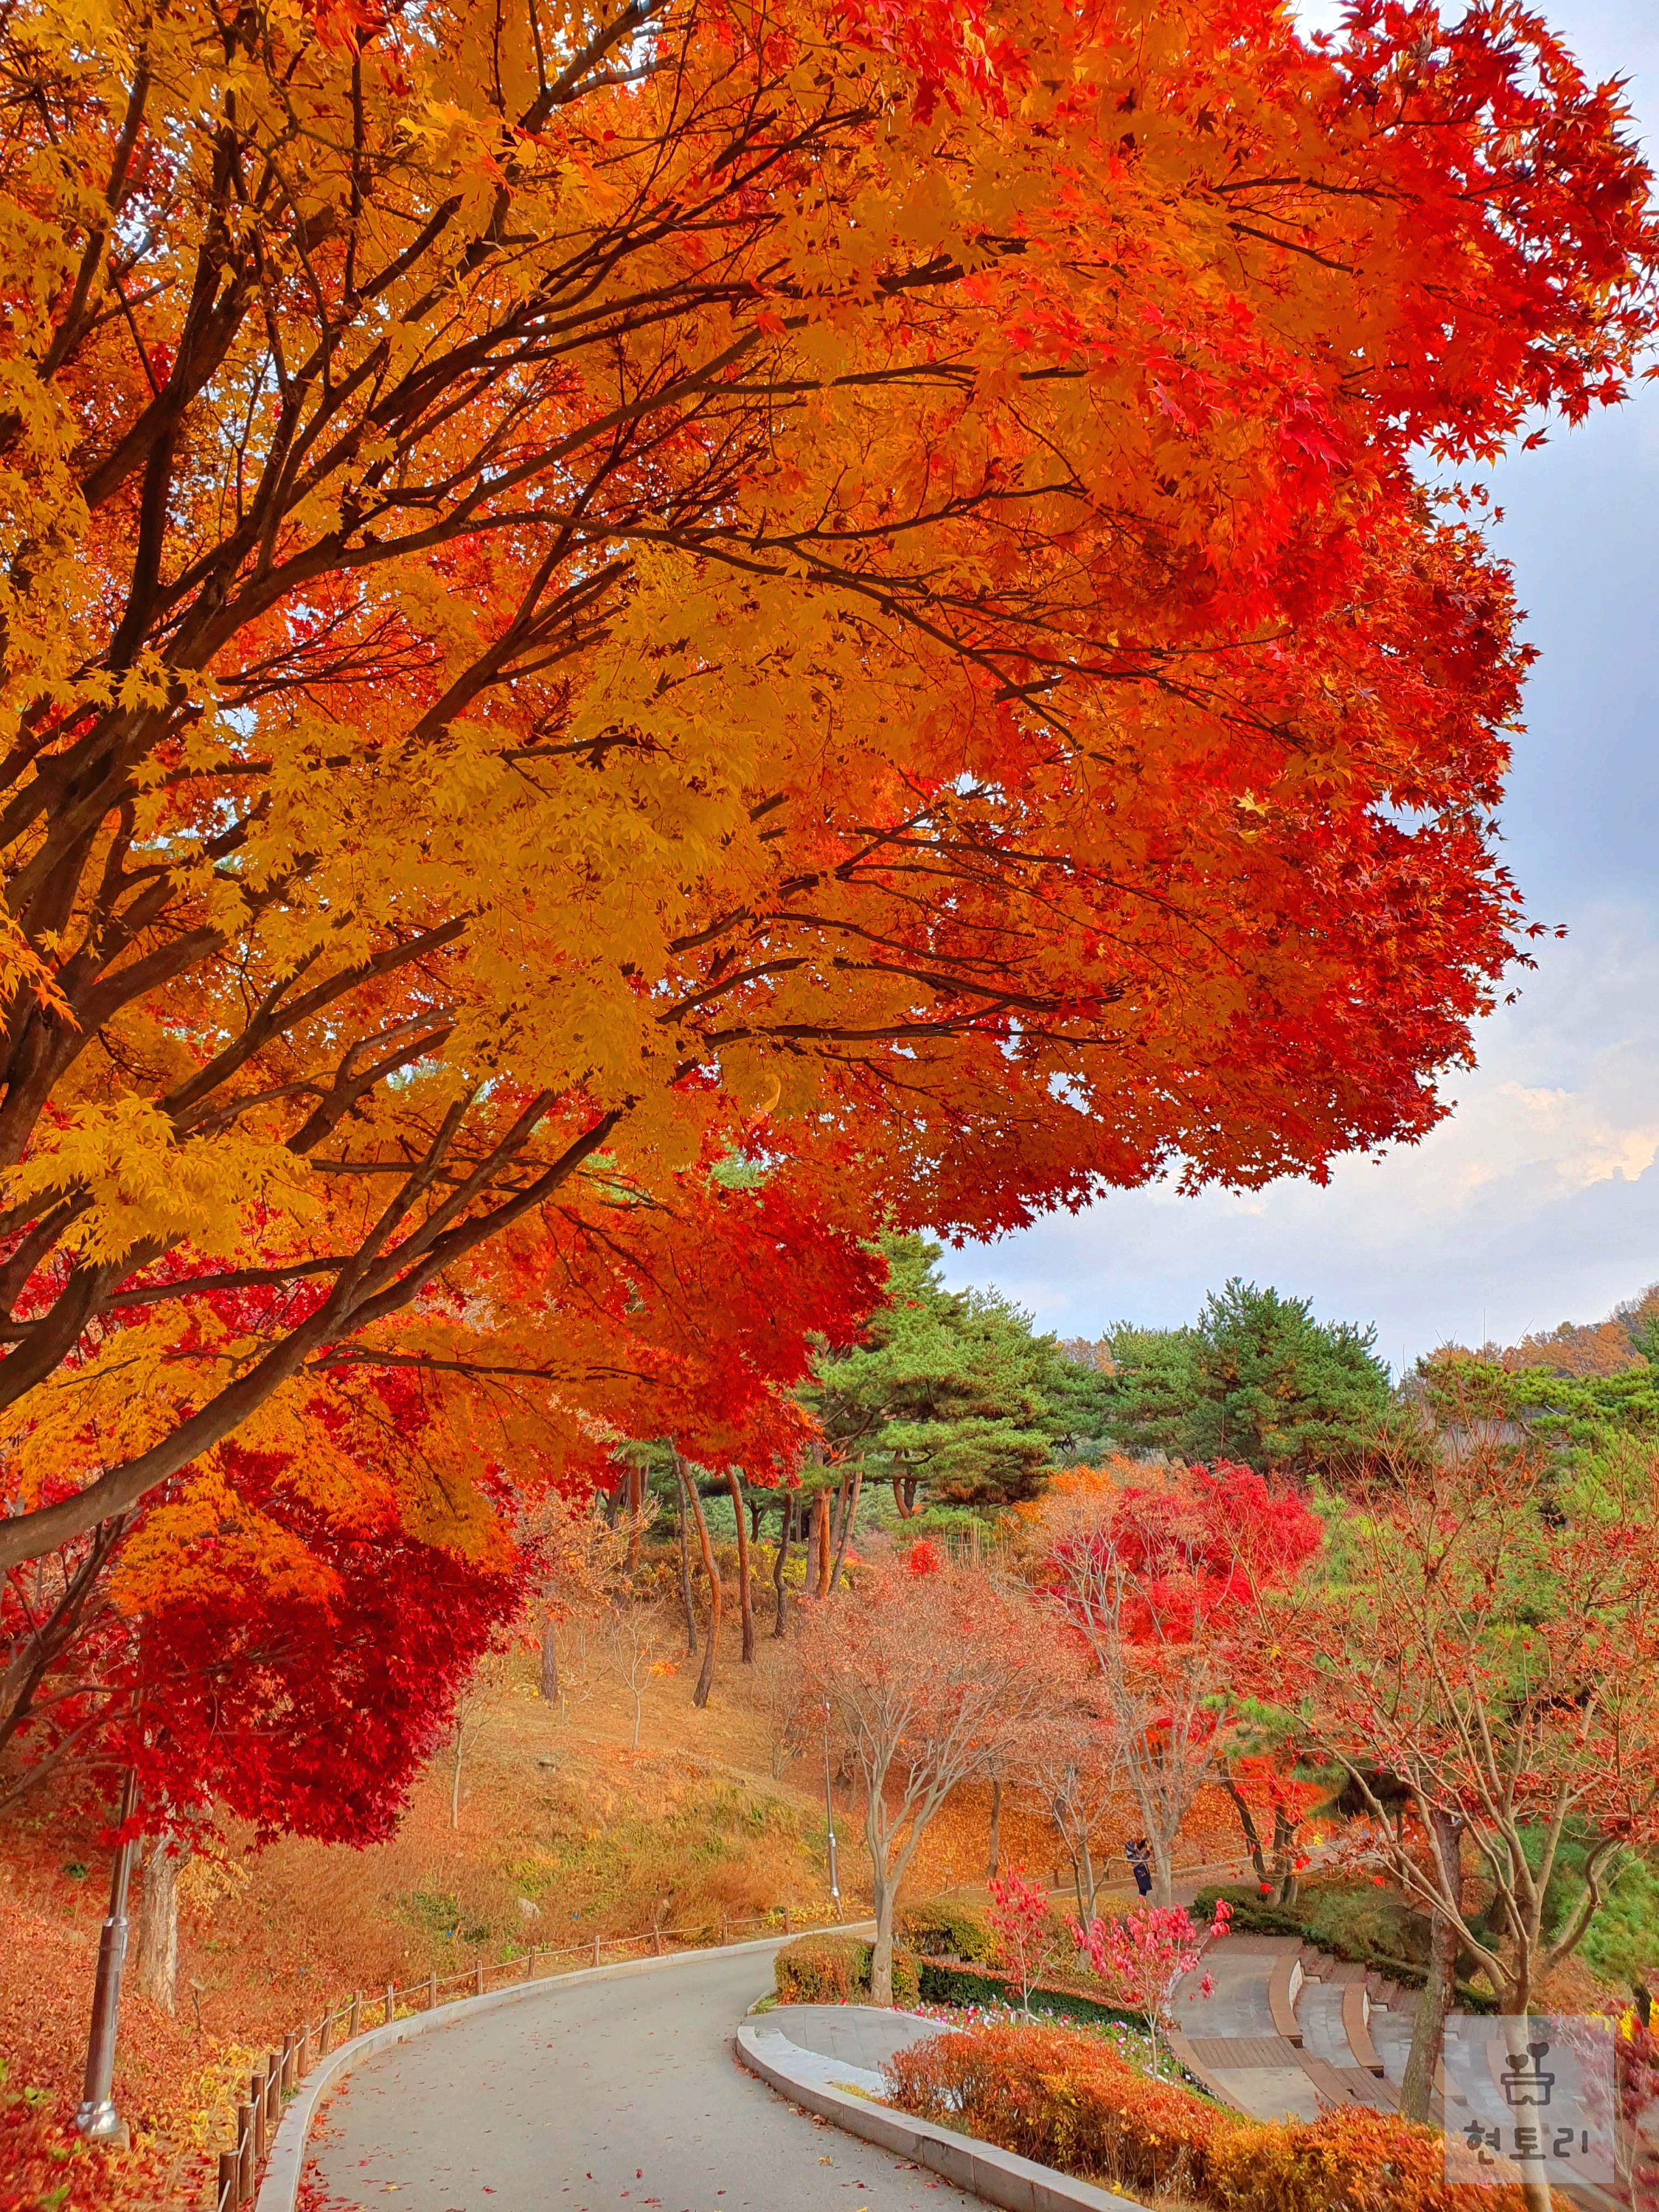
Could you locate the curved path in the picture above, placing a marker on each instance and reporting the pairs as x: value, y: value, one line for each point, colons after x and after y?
x: 613, y: 2096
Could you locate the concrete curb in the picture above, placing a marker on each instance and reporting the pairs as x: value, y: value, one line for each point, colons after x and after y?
x: 279, y: 2190
x: 999, y: 2176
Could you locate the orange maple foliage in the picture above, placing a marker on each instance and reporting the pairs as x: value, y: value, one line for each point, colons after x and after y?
x: 587, y: 589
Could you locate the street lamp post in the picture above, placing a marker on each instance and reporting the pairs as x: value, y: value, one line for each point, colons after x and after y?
x: 97, y: 2118
x: 830, y: 1814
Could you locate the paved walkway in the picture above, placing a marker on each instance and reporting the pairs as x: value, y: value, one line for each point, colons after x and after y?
x: 1247, y: 2055
x: 604, y: 2096
x: 844, y: 2046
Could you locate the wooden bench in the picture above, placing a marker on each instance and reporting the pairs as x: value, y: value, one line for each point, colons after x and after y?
x: 1282, y: 1986
x: 1356, y: 2028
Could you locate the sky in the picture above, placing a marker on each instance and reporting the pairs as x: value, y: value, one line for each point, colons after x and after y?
x: 1538, y: 1201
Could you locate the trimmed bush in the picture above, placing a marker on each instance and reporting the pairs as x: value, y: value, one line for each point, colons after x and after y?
x: 1249, y: 1913
x: 822, y: 1969
x: 906, y: 1977
x: 943, y: 1930
x: 1066, y: 2100
x: 835, y: 1970
x: 1069, y: 2101
x: 1351, y: 2160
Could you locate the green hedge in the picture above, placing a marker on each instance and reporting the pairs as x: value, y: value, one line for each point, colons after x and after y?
x: 945, y: 1930
x: 945, y: 1983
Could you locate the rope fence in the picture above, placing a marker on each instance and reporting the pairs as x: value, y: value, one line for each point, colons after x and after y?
x: 279, y: 2074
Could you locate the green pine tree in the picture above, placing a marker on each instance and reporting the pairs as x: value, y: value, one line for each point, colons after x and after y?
x: 1255, y: 1379
x: 953, y: 1393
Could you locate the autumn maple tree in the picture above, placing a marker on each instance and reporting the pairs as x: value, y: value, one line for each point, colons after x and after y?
x: 1142, y: 1959
x: 1017, y: 1912
x: 928, y: 1672
x: 1493, y: 1650
x: 1175, y: 1585
x: 584, y: 589
x: 294, y: 1669
x: 401, y: 1515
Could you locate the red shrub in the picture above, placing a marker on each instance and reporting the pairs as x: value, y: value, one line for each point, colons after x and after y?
x: 1069, y: 2100
x: 1351, y: 2159
x: 1066, y: 2100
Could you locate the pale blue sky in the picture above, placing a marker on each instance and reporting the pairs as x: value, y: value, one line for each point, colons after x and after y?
x: 1539, y: 1200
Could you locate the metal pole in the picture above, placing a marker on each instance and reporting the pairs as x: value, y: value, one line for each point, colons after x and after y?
x: 97, y: 2118
x: 830, y: 1814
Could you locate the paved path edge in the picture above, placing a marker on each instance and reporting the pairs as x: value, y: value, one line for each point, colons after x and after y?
x: 279, y: 2190
x: 1001, y: 2176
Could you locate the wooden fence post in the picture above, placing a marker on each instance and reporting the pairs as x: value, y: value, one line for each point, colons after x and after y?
x: 596, y: 1947
x: 432, y: 1990
x: 391, y: 2004
x: 785, y: 1919
x: 256, y: 2091
x: 225, y: 2196
x: 290, y: 2056
x: 477, y: 1981
x: 725, y: 1927
x: 356, y: 2026
x: 273, y: 2092
x: 244, y: 2152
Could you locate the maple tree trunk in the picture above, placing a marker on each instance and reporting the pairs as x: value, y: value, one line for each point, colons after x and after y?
x: 156, y: 1957
x: 636, y: 1504
x: 1160, y: 1852
x: 550, y: 1653
x: 881, y: 1953
x: 1429, y: 2028
x: 786, y: 1529
x: 1534, y: 2187
x: 1086, y: 1867
x: 637, y: 1690
x: 1246, y: 1822
x: 1283, y: 1874
x: 820, y: 1545
x: 994, y: 1845
x: 711, y: 1568
x: 849, y: 1515
x: 686, y: 1605
x: 745, y: 1595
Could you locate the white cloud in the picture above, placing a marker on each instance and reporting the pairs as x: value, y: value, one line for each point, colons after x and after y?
x: 1536, y: 1201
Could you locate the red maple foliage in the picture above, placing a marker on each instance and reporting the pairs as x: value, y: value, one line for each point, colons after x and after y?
x: 304, y: 1705
x: 1172, y: 1586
